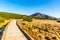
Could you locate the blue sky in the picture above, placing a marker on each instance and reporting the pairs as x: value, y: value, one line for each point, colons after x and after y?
x: 28, y: 7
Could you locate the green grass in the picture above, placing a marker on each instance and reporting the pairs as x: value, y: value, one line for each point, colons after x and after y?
x: 1, y: 19
x: 7, y: 15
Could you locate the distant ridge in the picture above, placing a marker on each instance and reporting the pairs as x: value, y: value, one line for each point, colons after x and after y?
x: 58, y: 18
x: 40, y: 15
x: 7, y: 15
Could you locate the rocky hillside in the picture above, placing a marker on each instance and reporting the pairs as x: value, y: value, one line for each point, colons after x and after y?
x: 40, y: 15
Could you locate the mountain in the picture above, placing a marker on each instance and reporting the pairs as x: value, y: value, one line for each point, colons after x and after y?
x: 7, y: 15
x: 43, y: 16
x: 58, y: 18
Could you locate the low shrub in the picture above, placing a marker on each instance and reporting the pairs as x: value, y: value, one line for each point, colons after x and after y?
x: 1, y: 20
x: 27, y: 18
x: 58, y: 21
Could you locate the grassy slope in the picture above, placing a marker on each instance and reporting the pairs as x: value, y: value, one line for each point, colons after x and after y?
x: 8, y: 15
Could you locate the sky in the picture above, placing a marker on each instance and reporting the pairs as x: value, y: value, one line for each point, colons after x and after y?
x: 28, y: 7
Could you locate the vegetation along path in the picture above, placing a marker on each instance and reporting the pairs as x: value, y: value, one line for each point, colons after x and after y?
x: 12, y: 32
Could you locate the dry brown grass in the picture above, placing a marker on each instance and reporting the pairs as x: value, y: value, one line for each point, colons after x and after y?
x: 42, y: 29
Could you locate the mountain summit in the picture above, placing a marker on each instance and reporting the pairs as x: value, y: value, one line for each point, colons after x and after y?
x: 40, y: 15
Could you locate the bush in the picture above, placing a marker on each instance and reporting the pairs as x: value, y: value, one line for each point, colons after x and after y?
x: 23, y: 23
x: 27, y: 18
x: 1, y: 20
x: 58, y: 21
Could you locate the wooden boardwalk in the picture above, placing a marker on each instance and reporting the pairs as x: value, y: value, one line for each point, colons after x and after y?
x: 12, y: 32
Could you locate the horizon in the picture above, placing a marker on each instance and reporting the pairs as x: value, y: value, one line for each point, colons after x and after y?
x: 28, y: 7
